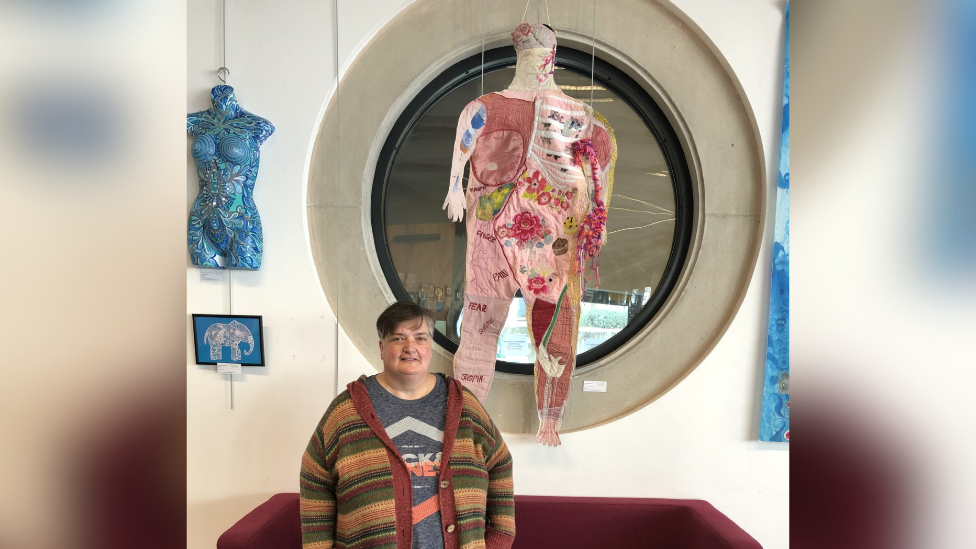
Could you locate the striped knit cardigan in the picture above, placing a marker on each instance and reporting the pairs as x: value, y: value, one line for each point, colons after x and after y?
x: 356, y: 491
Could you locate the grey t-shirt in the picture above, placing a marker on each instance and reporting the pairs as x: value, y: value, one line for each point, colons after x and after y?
x: 416, y: 427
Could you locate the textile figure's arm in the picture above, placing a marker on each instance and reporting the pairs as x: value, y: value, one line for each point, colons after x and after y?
x: 317, y: 486
x: 469, y: 127
x: 596, y: 155
x: 605, y: 145
x: 500, y: 510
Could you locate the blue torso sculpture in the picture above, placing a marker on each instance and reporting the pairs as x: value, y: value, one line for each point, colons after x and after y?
x: 224, y: 228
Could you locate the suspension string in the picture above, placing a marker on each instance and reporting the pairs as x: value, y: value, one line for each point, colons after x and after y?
x: 335, y: 33
x: 538, y: 17
x: 223, y: 71
x: 569, y: 405
x: 230, y: 311
x: 484, y: 18
x: 593, y: 54
x: 223, y: 33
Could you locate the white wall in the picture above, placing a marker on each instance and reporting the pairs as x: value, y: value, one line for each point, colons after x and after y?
x: 694, y: 442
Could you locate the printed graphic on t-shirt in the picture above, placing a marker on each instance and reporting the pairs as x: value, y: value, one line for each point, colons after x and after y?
x: 419, y: 444
x: 416, y: 428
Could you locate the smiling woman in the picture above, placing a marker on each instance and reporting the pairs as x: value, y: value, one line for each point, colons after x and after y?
x: 405, y: 347
x: 379, y: 449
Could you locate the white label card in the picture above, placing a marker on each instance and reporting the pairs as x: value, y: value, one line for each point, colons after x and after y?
x: 211, y: 275
x: 227, y: 368
x: 595, y: 386
x: 518, y: 344
x: 589, y: 343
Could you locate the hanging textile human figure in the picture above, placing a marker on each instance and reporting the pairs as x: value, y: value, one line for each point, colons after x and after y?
x: 541, y: 171
x: 224, y: 228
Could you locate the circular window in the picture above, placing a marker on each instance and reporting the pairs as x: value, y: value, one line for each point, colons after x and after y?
x: 649, y: 222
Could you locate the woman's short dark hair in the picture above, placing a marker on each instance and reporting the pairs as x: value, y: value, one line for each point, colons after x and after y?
x: 400, y: 312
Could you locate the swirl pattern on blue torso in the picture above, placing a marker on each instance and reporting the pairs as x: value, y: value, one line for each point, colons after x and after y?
x: 224, y: 228
x: 234, y: 149
x: 203, y: 148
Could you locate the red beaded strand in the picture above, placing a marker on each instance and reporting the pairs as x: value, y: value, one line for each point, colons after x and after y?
x: 589, y: 237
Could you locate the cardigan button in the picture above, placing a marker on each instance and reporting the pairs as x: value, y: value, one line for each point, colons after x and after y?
x: 444, y: 484
x: 450, y: 528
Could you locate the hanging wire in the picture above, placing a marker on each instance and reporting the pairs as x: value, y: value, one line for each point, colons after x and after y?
x: 335, y: 33
x: 593, y: 53
x: 484, y: 17
x: 223, y: 71
x: 572, y: 393
x: 538, y: 17
x: 223, y: 32
x: 230, y: 309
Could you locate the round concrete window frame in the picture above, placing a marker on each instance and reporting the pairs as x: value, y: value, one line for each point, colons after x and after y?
x: 657, y: 46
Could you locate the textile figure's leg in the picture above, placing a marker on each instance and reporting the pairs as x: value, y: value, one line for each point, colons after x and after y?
x: 489, y: 286
x: 554, y: 329
x: 537, y: 239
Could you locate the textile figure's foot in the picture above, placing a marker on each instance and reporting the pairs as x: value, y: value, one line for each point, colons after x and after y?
x: 549, y: 423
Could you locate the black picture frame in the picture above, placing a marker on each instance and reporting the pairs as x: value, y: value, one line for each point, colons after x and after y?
x: 202, y: 326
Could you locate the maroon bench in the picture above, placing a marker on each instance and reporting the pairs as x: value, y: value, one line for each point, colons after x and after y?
x: 542, y: 522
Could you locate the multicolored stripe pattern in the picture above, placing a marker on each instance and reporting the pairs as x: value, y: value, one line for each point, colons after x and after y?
x: 346, y: 467
x: 355, y: 488
x: 481, y: 473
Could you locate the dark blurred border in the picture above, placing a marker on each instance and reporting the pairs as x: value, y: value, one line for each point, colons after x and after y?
x: 881, y: 348
x: 93, y: 156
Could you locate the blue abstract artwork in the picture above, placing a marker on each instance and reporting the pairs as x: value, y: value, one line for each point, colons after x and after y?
x: 951, y: 227
x: 224, y: 228
x: 775, y: 423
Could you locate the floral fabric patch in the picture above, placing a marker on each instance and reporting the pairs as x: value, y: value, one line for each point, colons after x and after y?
x: 540, y: 191
x: 525, y: 231
x: 538, y: 279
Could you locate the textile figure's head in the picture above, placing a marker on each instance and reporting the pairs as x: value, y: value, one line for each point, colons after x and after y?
x: 536, y: 49
x: 527, y: 37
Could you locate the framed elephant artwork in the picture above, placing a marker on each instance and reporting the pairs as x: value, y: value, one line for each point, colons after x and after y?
x: 233, y: 339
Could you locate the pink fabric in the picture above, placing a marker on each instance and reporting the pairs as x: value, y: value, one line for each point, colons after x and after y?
x: 464, y: 142
x: 522, y: 232
x: 603, y: 146
x: 500, y: 154
x: 529, y: 36
x: 500, y: 157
